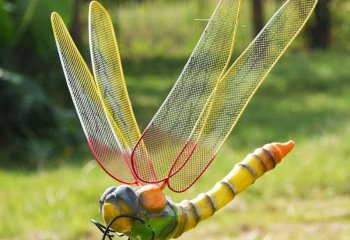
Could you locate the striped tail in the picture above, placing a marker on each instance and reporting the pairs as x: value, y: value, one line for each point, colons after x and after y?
x: 242, y: 175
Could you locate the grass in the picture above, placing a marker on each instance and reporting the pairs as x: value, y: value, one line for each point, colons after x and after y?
x: 306, y: 197
x: 306, y: 98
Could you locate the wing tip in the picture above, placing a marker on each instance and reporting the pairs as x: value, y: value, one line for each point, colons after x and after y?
x: 98, y: 6
x: 56, y: 21
x: 55, y: 16
x: 95, y: 4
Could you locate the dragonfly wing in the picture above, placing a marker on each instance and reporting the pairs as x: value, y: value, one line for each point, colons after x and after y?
x: 105, y: 147
x: 110, y: 81
x: 237, y: 87
x: 109, y: 76
x: 166, y: 135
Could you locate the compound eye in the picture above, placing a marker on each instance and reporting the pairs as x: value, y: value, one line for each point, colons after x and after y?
x: 152, y: 198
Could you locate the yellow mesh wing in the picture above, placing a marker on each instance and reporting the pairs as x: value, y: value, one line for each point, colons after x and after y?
x: 238, y: 86
x: 166, y: 135
x: 109, y: 76
x: 101, y: 137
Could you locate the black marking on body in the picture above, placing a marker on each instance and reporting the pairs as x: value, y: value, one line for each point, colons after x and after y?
x: 182, y: 222
x: 260, y: 160
x: 195, y: 211
x: 211, y: 202
x: 249, y: 168
x: 271, y: 156
x: 229, y: 187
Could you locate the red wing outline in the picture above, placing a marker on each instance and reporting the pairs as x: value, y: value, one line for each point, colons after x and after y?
x: 199, y: 113
x: 237, y: 87
x: 192, y: 124
x: 168, y: 132
x: 102, y: 101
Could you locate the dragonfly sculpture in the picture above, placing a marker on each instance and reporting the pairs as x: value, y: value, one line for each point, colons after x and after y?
x: 189, y: 128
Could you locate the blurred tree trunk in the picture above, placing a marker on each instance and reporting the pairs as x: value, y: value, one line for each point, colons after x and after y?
x: 258, y: 16
x: 320, y: 29
x: 76, y: 28
x: 200, y: 4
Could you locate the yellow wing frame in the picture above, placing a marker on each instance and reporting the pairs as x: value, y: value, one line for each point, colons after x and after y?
x: 102, y: 103
x: 201, y: 110
x: 237, y: 87
x: 109, y: 76
x: 168, y: 131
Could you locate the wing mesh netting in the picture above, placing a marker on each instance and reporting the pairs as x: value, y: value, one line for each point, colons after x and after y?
x: 99, y: 134
x: 109, y: 75
x: 199, y: 113
x: 238, y: 86
x: 110, y: 80
x: 166, y: 135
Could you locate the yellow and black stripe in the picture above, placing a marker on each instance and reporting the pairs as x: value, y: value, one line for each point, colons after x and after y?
x: 254, y: 165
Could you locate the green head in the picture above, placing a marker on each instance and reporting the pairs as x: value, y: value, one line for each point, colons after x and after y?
x: 141, y: 213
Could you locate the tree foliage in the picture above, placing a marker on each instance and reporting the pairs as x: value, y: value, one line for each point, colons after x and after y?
x: 34, y: 99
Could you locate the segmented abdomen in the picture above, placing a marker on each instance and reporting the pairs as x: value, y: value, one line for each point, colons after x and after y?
x: 253, y: 166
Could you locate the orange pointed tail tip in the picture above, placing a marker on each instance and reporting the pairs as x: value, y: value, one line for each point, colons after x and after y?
x: 280, y: 149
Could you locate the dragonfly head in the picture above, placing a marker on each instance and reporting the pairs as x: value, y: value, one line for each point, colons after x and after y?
x: 139, y: 211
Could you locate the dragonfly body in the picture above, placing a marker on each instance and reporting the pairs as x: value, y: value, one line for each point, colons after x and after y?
x: 189, y: 128
x: 149, y: 214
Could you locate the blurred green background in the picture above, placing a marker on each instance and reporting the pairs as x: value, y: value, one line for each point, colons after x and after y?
x: 49, y: 182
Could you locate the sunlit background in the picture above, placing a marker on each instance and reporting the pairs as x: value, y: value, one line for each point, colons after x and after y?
x: 49, y: 182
